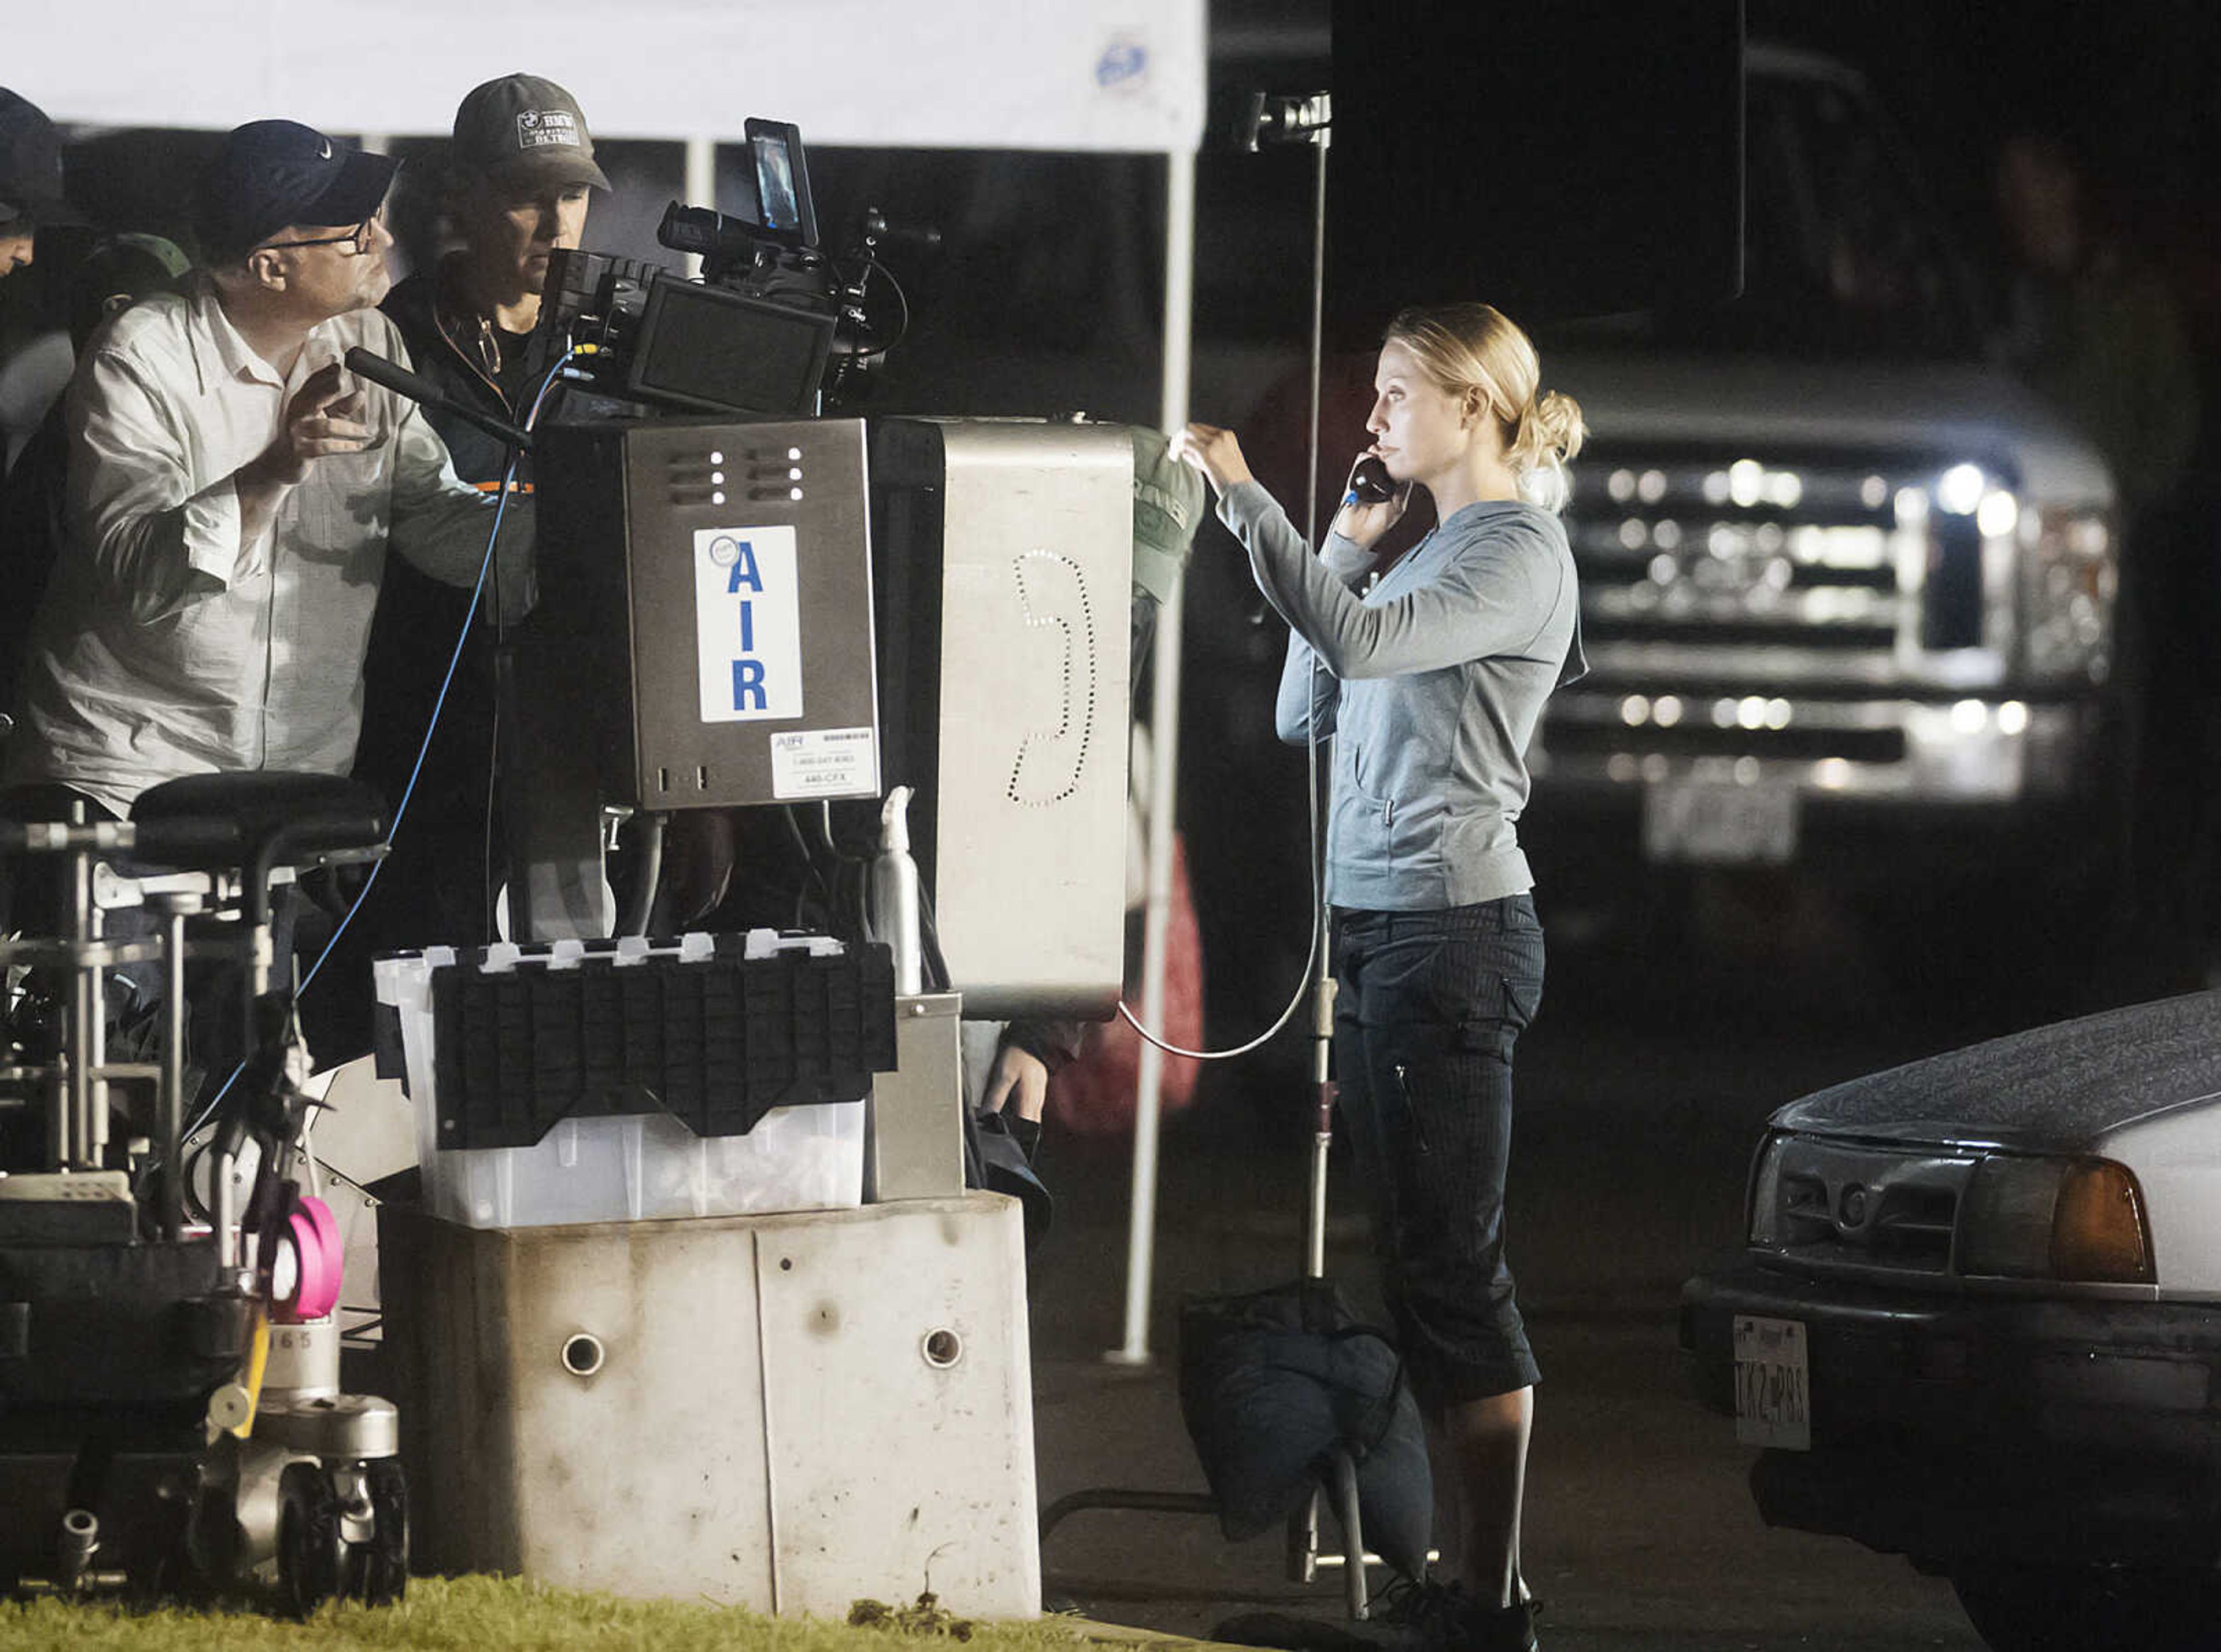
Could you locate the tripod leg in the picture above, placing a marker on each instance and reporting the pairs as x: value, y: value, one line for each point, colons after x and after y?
x: 1352, y: 1534
x: 1303, y: 1540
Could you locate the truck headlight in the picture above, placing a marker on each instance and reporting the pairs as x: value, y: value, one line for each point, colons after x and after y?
x: 2079, y: 1219
x: 2067, y: 585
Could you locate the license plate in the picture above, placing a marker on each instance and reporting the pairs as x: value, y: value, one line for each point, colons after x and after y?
x: 1773, y: 1383
x: 1719, y: 824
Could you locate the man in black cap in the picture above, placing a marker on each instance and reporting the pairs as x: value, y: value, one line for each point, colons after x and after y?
x: 35, y: 357
x: 519, y: 169
x: 115, y: 273
x: 232, y: 493
x: 30, y: 180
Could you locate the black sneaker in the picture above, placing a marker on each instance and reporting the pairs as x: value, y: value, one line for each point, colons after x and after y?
x: 1408, y: 1616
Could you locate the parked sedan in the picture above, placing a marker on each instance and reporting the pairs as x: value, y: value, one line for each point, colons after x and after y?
x: 1977, y: 1322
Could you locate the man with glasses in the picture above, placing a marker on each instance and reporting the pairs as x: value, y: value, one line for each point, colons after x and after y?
x: 233, y: 492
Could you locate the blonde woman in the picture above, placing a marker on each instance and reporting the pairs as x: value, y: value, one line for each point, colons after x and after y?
x: 1430, y: 674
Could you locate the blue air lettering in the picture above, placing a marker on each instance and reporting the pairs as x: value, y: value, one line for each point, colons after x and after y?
x: 747, y: 686
x: 747, y: 673
x: 747, y: 620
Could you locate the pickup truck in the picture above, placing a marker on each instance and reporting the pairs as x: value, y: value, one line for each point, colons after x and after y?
x: 1843, y: 581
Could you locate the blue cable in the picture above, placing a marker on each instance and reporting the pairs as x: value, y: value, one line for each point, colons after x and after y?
x: 431, y: 727
x: 424, y: 746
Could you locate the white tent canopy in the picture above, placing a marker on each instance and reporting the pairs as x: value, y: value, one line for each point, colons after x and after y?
x: 1010, y: 74
x: 1118, y: 76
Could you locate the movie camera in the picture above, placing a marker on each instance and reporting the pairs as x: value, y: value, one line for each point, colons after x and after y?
x: 757, y: 334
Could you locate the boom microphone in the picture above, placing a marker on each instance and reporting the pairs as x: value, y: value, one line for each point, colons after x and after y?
x: 422, y: 391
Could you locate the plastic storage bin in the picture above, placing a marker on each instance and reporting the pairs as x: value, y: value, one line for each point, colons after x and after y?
x: 626, y: 1167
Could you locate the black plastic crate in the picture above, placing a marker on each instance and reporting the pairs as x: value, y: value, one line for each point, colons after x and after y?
x: 717, y: 1042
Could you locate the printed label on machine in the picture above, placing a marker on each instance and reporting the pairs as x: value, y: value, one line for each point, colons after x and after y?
x: 823, y: 763
x: 748, y: 619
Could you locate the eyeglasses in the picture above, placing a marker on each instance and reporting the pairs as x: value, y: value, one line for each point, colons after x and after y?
x: 360, y: 239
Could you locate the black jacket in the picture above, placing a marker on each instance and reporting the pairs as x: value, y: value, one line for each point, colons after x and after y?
x: 433, y: 888
x: 456, y: 349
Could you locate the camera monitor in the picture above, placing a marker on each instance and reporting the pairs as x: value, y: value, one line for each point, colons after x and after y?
x: 784, y: 209
x: 717, y: 350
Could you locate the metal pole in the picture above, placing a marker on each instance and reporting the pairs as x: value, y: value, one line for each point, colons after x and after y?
x: 1320, y: 140
x: 1180, y: 286
x: 1164, y: 747
x: 173, y: 1074
x: 701, y: 188
x: 1323, y: 992
x: 85, y: 1010
x: 1303, y: 1544
x: 1322, y: 982
x: 94, y: 1144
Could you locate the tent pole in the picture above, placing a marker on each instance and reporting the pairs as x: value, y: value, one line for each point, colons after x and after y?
x: 1164, y: 749
x: 701, y: 188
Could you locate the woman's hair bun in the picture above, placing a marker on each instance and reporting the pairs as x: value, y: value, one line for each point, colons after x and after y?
x: 1556, y: 420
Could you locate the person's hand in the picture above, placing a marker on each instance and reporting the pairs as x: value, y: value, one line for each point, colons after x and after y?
x: 1020, y: 1078
x: 1362, y: 521
x: 324, y: 416
x: 1214, y: 452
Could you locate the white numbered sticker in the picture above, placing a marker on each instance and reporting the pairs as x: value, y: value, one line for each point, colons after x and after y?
x: 823, y: 763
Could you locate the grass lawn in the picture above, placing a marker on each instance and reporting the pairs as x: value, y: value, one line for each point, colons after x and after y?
x: 485, y: 1614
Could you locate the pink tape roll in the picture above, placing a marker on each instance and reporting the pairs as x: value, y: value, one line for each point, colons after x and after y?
x: 314, y: 1235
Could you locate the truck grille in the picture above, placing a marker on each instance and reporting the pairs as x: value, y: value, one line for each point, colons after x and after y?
x: 1785, y: 610
x: 1723, y: 550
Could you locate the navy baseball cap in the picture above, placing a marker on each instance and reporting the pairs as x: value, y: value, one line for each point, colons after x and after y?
x: 272, y: 173
x: 30, y: 165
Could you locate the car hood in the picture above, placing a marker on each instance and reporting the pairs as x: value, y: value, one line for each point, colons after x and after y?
x: 2058, y: 1087
x: 1966, y: 411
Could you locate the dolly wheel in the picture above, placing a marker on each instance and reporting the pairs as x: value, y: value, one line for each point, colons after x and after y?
x: 379, y: 1566
x: 311, y: 1552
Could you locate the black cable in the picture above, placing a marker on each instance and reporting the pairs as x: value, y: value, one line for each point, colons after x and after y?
x: 808, y: 856
x: 642, y: 905
x: 832, y: 845
x: 489, y: 886
x: 936, y: 965
x: 902, y: 298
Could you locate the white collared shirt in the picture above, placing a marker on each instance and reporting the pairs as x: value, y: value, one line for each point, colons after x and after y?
x: 167, y: 646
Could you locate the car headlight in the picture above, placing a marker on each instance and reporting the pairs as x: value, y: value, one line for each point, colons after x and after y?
x: 2066, y: 594
x: 2079, y: 1219
x: 1765, y: 1211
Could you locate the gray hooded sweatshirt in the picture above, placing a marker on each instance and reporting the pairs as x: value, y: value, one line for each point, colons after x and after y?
x: 1431, y: 682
